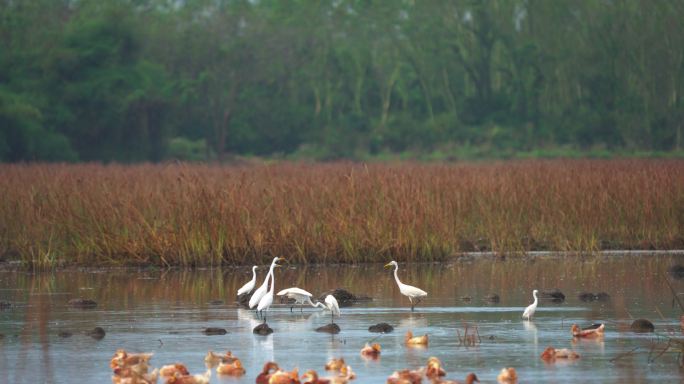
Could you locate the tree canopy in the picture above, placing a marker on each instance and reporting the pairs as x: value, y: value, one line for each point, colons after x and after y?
x: 147, y: 80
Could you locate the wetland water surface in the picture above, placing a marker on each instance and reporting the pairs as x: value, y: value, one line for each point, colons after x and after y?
x: 166, y: 312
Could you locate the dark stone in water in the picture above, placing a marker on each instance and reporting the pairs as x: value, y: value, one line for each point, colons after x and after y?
x: 5, y: 304
x: 466, y: 299
x: 586, y: 296
x: 64, y: 334
x: 82, y: 303
x: 642, y: 326
x: 344, y: 297
x: 96, y: 333
x: 602, y: 297
x: 331, y: 328
x: 554, y: 295
x: 262, y: 329
x: 214, y: 331
x: 492, y: 298
x: 676, y: 271
x: 381, y: 328
x: 590, y: 296
x: 216, y: 302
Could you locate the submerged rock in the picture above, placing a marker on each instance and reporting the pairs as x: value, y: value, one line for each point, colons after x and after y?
x: 96, y: 333
x: 555, y: 295
x: 214, y: 331
x: 262, y: 329
x: 64, y: 334
x: 381, y: 328
x: 5, y: 304
x: 492, y: 298
x: 331, y: 328
x: 676, y: 271
x: 642, y: 326
x: 590, y: 296
x: 344, y: 297
x: 82, y: 303
x: 602, y: 297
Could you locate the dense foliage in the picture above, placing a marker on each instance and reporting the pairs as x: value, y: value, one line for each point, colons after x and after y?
x: 145, y: 80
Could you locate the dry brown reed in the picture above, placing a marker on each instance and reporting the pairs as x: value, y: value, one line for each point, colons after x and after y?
x: 208, y: 215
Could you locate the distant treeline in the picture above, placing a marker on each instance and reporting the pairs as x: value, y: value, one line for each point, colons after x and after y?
x: 147, y: 80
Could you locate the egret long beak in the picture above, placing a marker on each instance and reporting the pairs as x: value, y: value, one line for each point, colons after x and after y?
x: 282, y: 259
x: 388, y: 266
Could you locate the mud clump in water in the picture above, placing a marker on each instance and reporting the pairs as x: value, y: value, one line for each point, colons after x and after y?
x: 492, y: 298
x: 344, y: 298
x: 588, y: 297
x: 381, y: 328
x: 676, y: 271
x: 642, y: 326
x: 555, y: 295
x: 96, y: 333
x: 214, y: 331
x: 331, y: 328
x: 64, y: 334
x: 262, y: 329
x: 82, y: 303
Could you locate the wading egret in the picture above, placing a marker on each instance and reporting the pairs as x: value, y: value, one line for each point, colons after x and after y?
x: 332, y: 306
x: 247, y: 288
x: 267, y: 299
x: 299, y: 295
x: 261, y: 291
x: 529, y: 311
x: 409, y: 291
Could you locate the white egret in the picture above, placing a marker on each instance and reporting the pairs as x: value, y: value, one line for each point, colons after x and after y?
x: 247, y: 288
x: 409, y: 291
x: 267, y: 300
x: 299, y: 295
x: 332, y: 306
x: 529, y: 311
x: 261, y: 291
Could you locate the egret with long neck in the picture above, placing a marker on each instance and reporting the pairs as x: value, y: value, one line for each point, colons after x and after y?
x: 247, y: 288
x: 529, y: 311
x: 267, y: 300
x: 261, y: 291
x: 409, y: 291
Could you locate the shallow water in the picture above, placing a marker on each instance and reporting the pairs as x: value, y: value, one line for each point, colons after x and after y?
x: 165, y: 313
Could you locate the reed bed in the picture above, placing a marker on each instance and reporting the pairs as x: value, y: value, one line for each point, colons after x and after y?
x: 210, y: 215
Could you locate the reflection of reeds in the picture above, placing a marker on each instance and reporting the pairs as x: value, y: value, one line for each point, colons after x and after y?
x: 209, y: 215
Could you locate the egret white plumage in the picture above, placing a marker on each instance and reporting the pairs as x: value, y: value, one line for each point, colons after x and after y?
x: 409, y: 291
x: 529, y: 311
x: 299, y: 295
x: 261, y: 291
x: 267, y: 300
x: 332, y: 306
x: 247, y: 288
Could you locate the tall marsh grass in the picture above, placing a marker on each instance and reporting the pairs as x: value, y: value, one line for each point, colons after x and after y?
x: 203, y: 215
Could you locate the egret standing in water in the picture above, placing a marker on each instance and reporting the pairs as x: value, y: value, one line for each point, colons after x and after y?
x: 261, y: 291
x: 529, y: 311
x: 332, y: 306
x: 299, y: 295
x: 267, y: 300
x: 409, y: 291
x: 247, y: 288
